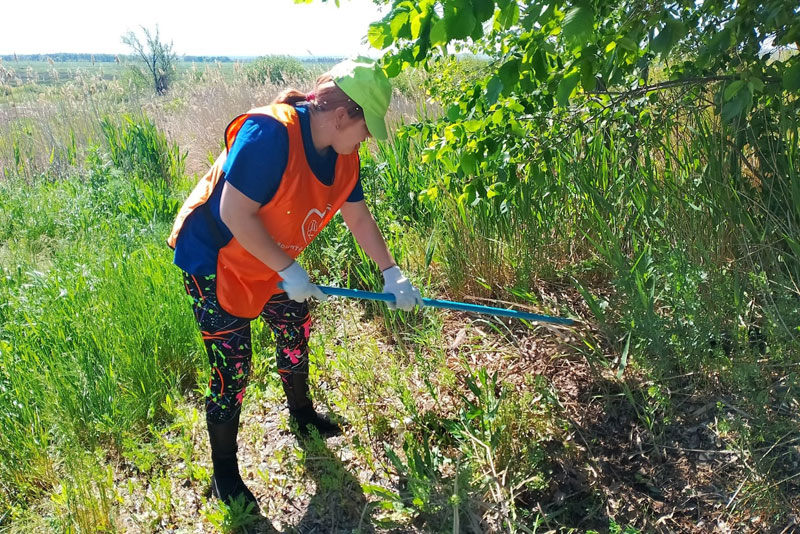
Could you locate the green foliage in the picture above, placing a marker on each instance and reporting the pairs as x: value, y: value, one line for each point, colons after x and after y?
x: 478, y: 422
x: 616, y: 528
x: 448, y: 464
x: 275, y: 70
x: 151, y: 202
x: 592, y: 56
x: 233, y: 518
x: 574, y: 99
x: 453, y: 75
x: 611, y: 42
x: 74, y: 371
x: 578, y: 25
x: 421, y: 474
x: 146, y: 157
x: 137, y: 147
x: 86, y: 497
x: 149, y: 159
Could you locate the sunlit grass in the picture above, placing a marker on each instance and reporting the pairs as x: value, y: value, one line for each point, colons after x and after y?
x: 678, y: 267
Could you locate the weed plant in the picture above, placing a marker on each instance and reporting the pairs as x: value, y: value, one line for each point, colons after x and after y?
x: 275, y: 70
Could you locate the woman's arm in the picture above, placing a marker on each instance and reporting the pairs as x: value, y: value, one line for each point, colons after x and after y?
x: 240, y: 215
x: 362, y: 225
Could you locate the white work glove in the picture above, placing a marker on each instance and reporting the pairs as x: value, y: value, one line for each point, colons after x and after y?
x: 297, y: 285
x: 406, y: 296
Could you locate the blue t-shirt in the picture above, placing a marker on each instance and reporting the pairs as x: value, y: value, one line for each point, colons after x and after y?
x: 255, y: 165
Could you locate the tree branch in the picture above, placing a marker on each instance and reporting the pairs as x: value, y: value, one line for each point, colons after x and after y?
x: 676, y: 83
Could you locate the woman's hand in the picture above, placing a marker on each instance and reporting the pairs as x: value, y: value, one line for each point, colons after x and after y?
x: 297, y: 284
x: 406, y: 296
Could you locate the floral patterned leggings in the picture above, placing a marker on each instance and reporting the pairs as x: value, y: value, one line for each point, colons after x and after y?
x: 227, y: 340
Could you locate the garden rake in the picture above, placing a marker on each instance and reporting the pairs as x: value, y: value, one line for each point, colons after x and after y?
x: 447, y: 304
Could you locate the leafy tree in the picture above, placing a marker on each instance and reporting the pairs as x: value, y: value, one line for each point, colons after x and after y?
x: 556, y: 49
x: 156, y: 55
x: 558, y: 66
x: 640, y: 73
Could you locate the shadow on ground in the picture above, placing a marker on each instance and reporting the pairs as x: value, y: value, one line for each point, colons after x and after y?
x: 657, y: 475
x: 339, y: 504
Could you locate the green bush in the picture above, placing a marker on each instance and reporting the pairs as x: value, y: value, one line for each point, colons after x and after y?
x: 137, y: 147
x: 148, y: 159
x: 275, y: 70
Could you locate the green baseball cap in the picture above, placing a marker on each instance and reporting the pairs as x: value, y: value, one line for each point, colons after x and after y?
x: 366, y: 85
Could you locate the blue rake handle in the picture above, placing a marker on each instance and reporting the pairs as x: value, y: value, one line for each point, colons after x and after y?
x: 448, y: 304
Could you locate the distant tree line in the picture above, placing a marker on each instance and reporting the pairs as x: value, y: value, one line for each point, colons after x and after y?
x: 102, y: 58
x: 61, y: 57
x: 320, y: 59
x: 206, y: 59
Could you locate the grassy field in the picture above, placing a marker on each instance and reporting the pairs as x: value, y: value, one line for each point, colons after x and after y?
x: 50, y: 73
x: 672, y: 406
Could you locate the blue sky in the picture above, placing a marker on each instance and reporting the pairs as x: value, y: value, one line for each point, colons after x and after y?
x: 199, y: 27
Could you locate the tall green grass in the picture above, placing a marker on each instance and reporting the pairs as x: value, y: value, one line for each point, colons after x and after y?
x: 95, y: 332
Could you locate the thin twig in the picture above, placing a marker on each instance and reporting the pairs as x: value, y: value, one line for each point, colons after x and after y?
x: 704, y: 451
x: 735, y: 493
x: 676, y: 83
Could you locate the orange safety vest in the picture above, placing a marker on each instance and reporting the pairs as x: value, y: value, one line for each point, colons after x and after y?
x: 299, y: 210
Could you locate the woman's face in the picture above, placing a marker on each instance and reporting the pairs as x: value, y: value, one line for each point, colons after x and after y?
x: 349, y: 134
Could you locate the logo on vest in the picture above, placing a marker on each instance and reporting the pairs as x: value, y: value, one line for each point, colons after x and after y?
x: 313, y: 223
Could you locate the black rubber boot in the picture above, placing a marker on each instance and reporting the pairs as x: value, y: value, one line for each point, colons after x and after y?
x: 301, y: 408
x: 226, y: 483
x: 307, y: 418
